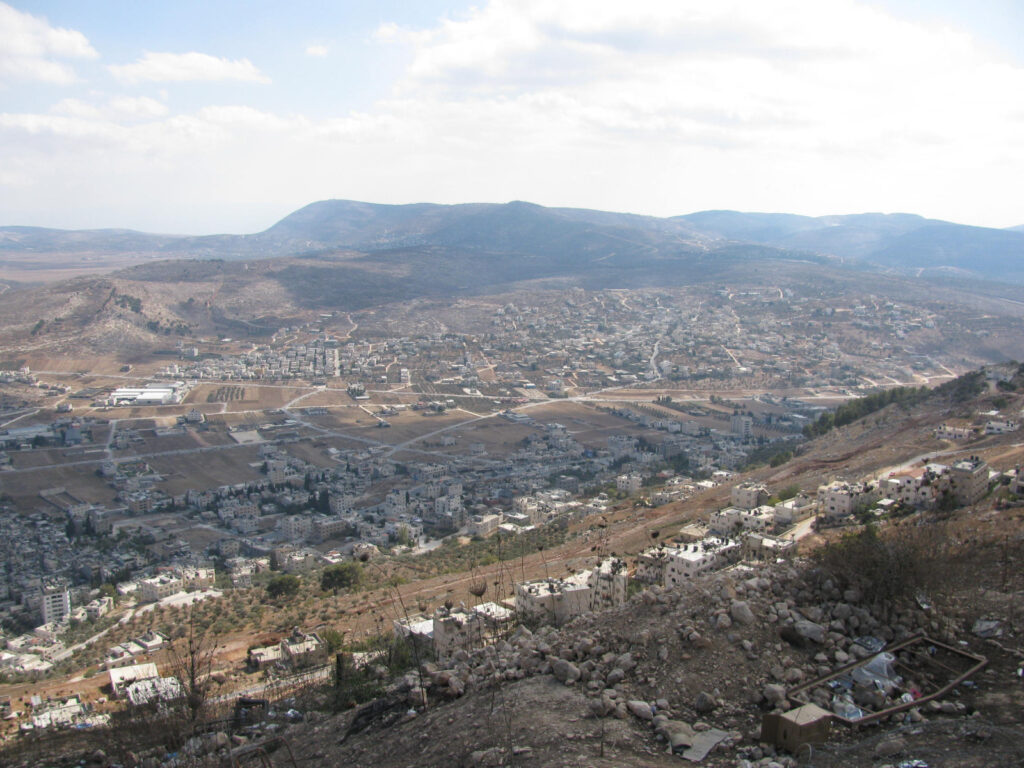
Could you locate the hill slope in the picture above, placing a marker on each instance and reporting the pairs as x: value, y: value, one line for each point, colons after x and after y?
x: 569, y: 236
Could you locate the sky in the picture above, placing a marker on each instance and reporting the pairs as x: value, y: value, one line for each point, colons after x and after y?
x: 206, y: 116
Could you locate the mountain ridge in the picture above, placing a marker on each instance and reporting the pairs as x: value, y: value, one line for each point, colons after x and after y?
x: 900, y: 241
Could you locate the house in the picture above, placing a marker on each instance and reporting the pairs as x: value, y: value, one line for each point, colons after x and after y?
x: 157, y: 588
x: 749, y: 495
x: 793, y: 510
x: 122, y: 677
x: 154, y: 690
x: 668, y: 566
x: 951, y: 432
x: 302, y: 649
x: 968, y: 480
x: 1000, y: 426
x: 297, y: 651
x: 731, y: 520
x: 839, y: 499
x: 629, y: 483
x: 558, y: 600
x: 757, y: 546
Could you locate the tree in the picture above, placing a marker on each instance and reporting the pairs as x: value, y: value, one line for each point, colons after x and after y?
x: 191, y: 661
x: 341, y: 576
x: 283, y: 585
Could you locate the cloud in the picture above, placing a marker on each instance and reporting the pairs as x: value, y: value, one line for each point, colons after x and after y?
x: 182, y: 67
x: 115, y: 108
x: 316, y: 51
x: 809, y: 106
x: 138, y: 107
x: 31, y: 49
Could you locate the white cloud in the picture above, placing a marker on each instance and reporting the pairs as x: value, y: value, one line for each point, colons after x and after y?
x: 181, y: 67
x: 138, y: 107
x: 316, y: 51
x: 115, y: 108
x: 809, y: 106
x: 30, y: 49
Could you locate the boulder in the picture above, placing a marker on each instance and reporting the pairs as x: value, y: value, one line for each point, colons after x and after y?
x: 565, y: 671
x: 641, y: 709
x: 809, y: 630
x: 741, y: 613
x: 704, y: 703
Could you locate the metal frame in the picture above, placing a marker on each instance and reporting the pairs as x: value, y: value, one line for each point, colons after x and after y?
x: 796, y: 694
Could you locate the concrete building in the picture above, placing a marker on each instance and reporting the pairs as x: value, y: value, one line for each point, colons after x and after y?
x: 968, y: 480
x: 839, y: 499
x: 791, y: 511
x: 668, y: 566
x: 158, y: 587
x: 749, y: 495
x: 56, y: 603
x: 558, y: 600
x: 742, y: 426
x: 630, y: 483
x: 732, y: 520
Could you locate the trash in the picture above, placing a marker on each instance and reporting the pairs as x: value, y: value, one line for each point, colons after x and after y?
x: 923, y: 602
x: 912, y: 764
x: 846, y: 708
x: 845, y: 682
x: 293, y: 714
x: 703, y: 743
x: 869, y: 643
x: 987, y: 628
x: 878, y: 671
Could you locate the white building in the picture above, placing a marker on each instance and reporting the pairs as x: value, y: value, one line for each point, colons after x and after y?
x: 558, y: 600
x: 669, y: 566
x: 1000, y: 426
x: 742, y: 426
x: 732, y: 520
x: 839, y: 499
x: 630, y: 483
x: 749, y: 495
x: 158, y: 587
x: 56, y: 603
x: 791, y: 511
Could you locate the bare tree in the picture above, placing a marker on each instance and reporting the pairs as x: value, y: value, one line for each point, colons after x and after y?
x: 191, y: 661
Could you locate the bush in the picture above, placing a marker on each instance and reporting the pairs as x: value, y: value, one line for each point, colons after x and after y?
x: 882, y: 568
x: 283, y: 585
x: 341, y: 576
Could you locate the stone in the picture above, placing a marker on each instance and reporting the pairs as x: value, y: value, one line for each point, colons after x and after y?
x: 565, y: 671
x: 704, y: 703
x: 741, y: 612
x: 615, y: 677
x: 641, y: 709
x: 625, y: 662
x: 775, y: 694
x: 600, y: 706
x: 794, y: 675
x: 809, y: 630
x: 487, y: 758
x: 889, y: 746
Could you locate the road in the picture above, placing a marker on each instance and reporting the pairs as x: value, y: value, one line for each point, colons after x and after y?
x: 653, y: 362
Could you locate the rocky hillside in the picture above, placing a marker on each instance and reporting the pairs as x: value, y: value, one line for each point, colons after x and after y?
x: 677, y: 673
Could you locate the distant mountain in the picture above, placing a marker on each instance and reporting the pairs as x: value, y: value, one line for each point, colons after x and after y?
x: 1019, y: 228
x: 895, y: 241
x: 505, y: 238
